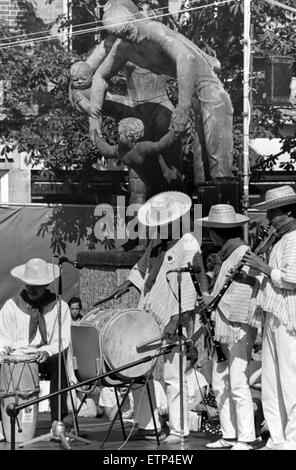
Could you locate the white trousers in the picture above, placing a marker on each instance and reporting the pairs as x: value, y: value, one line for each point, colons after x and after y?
x: 232, y: 391
x: 171, y: 377
x: 143, y: 415
x: 279, y: 384
x: 172, y: 381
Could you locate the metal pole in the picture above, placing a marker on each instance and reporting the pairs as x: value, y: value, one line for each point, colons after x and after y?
x: 181, y: 360
x: 67, y: 32
x: 70, y: 27
x: 60, y: 344
x: 12, y: 432
x: 246, y: 108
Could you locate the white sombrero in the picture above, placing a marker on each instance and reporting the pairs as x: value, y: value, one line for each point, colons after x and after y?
x: 223, y: 216
x: 164, y: 208
x: 36, y: 272
x: 277, y: 197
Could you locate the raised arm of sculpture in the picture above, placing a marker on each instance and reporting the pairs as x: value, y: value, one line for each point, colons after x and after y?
x: 112, y: 63
x: 100, y: 52
x: 138, y: 154
x: 108, y: 151
x: 94, y: 60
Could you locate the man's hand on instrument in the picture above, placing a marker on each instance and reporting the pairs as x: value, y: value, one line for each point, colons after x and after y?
x: 171, y: 337
x: 203, y: 302
x: 41, y: 356
x: 6, y: 350
x: 201, y: 305
x: 230, y: 273
x: 170, y: 331
x: 255, y: 262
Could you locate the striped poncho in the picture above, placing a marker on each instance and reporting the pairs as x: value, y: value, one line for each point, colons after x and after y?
x: 162, y: 298
x: 235, y: 308
x: 278, y: 293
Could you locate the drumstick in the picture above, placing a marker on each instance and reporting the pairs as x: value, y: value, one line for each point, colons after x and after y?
x: 158, y: 338
x: 153, y: 340
x: 110, y: 297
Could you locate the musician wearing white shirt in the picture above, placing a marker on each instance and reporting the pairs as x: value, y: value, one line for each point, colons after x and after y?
x: 29, y: 324
x: 236, y: 337
x: 278, y: 304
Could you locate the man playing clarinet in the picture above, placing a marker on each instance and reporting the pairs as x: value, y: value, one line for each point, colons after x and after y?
x: 236, y: 337
x: 278, y: 303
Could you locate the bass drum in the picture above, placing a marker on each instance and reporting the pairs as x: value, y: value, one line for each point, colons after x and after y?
x: 123, y: 337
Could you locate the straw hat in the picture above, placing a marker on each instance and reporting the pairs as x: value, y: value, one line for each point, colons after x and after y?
x: 223, y: 216
x: 164, y: 208
x: 36, y: 272
x: 277, y: 197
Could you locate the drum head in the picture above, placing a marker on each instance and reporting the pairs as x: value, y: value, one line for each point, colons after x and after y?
x: 19, y: 356
x: 121, y: 337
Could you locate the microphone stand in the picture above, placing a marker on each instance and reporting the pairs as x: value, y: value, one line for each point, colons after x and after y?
x: 181, y: 353
x: 179, y: 278
x: 59, y: 428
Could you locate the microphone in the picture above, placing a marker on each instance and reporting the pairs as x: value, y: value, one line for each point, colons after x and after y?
x: 63, y: 259
x: 188, y: 269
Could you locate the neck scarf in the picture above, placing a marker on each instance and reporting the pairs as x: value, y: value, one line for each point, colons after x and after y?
x: 37, y: 310
x: 226, y: 250
x: 231, y: 245
x: 156, y: 259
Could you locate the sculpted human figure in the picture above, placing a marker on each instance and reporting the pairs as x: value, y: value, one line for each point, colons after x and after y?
x: 138, y: 156
x: 146, y: 99
x: 80, y: 85
x: 153, y: 46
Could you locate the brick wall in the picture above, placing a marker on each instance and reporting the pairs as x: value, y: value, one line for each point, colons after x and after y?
x: 29, y: 15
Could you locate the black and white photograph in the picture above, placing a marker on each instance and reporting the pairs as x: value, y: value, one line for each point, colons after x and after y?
x: 147, y: 231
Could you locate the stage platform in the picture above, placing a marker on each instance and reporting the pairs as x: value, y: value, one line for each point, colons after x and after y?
x: 95, y: 429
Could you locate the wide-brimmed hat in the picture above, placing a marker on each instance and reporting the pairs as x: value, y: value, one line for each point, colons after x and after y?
x: 223, y: 216
x: 164, y: 208
x: 277, y: 197
x: 36, y: 272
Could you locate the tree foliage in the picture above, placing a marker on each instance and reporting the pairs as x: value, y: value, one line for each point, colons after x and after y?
x: 38, y: 113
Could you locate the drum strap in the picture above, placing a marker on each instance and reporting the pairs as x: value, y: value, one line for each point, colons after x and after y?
x: 36, y: 310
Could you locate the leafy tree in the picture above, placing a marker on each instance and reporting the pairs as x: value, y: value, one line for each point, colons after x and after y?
x: 40, y: 120
x: 36, y: 101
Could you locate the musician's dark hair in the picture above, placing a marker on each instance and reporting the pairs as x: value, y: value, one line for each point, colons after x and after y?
x: 232, y: 232
x: 75, y: 300
x: 290, y: 208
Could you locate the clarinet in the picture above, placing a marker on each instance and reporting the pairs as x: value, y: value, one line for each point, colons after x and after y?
x: 207, y: 321
x: 256, y: 250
